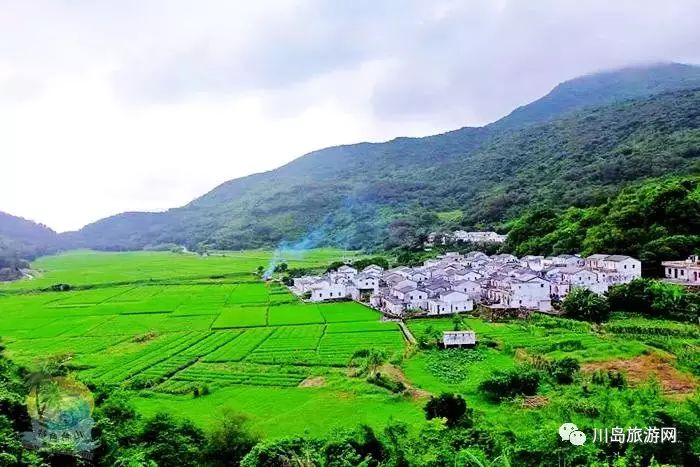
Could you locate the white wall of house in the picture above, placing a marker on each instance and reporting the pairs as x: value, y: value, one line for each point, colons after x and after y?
x: 472, y: 289
x: 449, y: 303
x: 683, y: 273
x: 329, y: 292
x: 394, y: 307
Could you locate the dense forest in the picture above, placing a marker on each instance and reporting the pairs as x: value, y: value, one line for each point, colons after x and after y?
x: 577, y: 147
x: 22, y: 240
x: 653, y: 221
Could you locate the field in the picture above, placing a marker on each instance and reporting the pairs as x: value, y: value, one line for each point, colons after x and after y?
x: 164, y: 326
x: 193, y: 335
x: 620, y: 344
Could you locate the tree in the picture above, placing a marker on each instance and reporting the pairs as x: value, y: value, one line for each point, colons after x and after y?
x: 656, y: 299
x: 582, y: 304
x: 457, y: 322
x: 430, y: 337
x: 230, y: 440
x: 448, y: 406
x: 171, y: 442
x: 380, y: 261
x: 334, y: 266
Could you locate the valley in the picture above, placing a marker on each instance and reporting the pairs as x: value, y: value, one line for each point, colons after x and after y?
x: 197, y: 335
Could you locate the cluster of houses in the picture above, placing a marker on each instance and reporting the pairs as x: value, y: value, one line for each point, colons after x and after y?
x: 435, y: 238
x: 454, y: 283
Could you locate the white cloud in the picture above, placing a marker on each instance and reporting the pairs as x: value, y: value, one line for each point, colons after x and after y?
x: 131, y: 105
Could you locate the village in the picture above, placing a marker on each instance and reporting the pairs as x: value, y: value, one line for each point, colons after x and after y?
x: 456, y: 283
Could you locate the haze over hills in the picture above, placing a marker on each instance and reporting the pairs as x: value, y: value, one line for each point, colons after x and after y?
x: 22, y: 239
x: 576, y: 146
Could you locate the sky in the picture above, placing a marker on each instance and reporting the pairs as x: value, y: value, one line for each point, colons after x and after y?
x: 144, y: 105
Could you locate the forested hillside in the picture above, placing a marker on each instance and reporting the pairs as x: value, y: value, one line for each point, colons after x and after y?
x: 653, y: 221
x: 20, y: 240
x: 577, y: 147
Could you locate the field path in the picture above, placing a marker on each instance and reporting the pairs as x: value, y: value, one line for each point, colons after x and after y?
x: 407, y: 333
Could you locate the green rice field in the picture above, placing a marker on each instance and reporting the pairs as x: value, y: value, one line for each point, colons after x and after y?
x: 162, y: 325
x: 195, y: 335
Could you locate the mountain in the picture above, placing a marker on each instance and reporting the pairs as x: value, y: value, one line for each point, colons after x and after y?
x: 604, y: 88
x: 20, y: 240
x: 577, y: 146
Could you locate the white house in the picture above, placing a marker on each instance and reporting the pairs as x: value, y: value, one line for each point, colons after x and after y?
x: 417, y: 299
x: 418, y: 276
x: 686, y: 272
x: 345, y: 272
x: 365, y: 281
x: 392, y: 279
x: 402, y: 292
x: 479, y: 237
x: 302, y: 284
x: 449, y: 303
x: 564, y: 279
x: 393, y: 305
x: 529, y: 292
x: 326, y: 290
x: 405, y: 283
x: 470, y: 288
x: 624, y: 267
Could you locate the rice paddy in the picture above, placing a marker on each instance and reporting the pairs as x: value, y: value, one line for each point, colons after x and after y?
x: 193, y: 335
x: 171, y: 325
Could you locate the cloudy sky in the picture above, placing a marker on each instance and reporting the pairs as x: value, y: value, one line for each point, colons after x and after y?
x: 122, y: 105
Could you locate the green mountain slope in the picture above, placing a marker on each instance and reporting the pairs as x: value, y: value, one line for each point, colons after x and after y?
x: 21, y: 239
x: 653, y: 221
x: 604, y: 88
x: 558, y: 151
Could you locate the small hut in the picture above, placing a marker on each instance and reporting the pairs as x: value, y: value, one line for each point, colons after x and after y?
x: 458, y: 339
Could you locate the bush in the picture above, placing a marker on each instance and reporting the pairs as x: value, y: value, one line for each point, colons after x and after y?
x: 448, y: 406
x: 229, y: 441
x: 610, y: 378
x: 584, y: 305
x: 507, y: 384
x: 655, y: 299
x: 386, y: 382
x: 564, y: 370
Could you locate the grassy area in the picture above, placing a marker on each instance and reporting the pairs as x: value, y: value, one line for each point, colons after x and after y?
x: 621, y: 342
x: 83, y: 267
x: 454, y: 215
x: 165, y: 326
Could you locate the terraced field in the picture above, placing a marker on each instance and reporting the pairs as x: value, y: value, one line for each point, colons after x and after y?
x: 193, y: 336
x: 174, y: 335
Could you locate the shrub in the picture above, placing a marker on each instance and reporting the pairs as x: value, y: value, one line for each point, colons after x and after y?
x: 386, y: 382
x: 506, y: 384
x: 610, y: 378
x: 564, y: 370
x: 584, y: 305
x: 448, y: 406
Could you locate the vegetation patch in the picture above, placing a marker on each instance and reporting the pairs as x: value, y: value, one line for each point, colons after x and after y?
x: 639, y: 369
x: 452, y: 365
